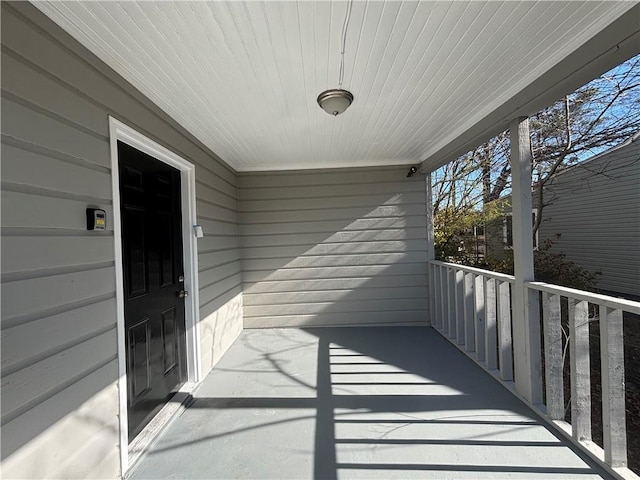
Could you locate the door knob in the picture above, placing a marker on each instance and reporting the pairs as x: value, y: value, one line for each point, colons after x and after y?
x: 183, y: 293
x: 181, y: 278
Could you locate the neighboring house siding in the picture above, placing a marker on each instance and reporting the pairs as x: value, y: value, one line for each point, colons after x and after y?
x: 329, y: 247
x: 595, y: 206
x: 59, y: 344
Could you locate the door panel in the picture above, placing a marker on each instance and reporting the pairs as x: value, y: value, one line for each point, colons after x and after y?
x: 169, y: 339
x: 153, y: 270
x: 139, y: 344
x: 135, y: 253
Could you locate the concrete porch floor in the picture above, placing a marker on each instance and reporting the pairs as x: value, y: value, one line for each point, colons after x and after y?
x: 330, y: 403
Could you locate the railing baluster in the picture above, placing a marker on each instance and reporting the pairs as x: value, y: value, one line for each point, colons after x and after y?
x: 430, y: 289
x: 436, y: 297
x: 444, y: 296
x: 459, y: 275
x: 553, y: 355
x: 491, y: 335
x: 469, y: 330
x: 504, y: 331
x: 478, y: 318
x: 580, y: 370
x: 613, y: 400
x: 451, y: 289
x: 433, y: 288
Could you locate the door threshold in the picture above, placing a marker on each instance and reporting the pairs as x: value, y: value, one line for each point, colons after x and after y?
x: 171, y: 410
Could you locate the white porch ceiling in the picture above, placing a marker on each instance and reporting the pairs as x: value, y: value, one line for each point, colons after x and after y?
x: 243, y: 77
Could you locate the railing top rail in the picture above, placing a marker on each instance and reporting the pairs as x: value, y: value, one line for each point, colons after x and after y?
x: 478, y: 271
x: 606, y: 300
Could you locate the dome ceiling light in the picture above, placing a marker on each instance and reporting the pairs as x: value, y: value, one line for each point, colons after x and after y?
x: 336, y: 100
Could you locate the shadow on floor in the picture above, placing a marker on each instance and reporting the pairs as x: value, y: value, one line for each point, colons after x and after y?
x: 356, y: 403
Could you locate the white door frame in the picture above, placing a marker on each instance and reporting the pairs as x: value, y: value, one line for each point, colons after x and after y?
x: 118, y: 131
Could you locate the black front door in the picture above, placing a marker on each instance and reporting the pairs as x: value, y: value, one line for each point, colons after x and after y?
x: 153, y: 277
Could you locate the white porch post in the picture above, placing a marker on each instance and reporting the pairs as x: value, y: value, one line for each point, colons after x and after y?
x: 431, y: 255
x: 526, y: 316
x: 430, y: 251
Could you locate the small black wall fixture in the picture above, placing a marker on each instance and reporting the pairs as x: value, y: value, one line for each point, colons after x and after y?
x: 412, y: 170
x: 96, y: 219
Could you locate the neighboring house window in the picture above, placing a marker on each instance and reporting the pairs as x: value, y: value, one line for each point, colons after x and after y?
x: 507, y: 229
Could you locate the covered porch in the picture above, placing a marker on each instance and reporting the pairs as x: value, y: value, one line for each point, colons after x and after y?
x: 398, y: 402
x: 294, y: 220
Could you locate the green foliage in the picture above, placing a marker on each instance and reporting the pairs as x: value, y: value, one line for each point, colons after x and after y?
x: 453, y: 230
x: 550, y: 267
x: 456, y: 229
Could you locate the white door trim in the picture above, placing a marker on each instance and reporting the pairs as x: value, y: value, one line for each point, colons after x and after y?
x: 118, y: 131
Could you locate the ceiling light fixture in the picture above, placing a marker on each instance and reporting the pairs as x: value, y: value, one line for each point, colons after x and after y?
x: 336, y: 100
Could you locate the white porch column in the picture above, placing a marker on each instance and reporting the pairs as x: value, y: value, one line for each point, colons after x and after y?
x: 526, y: 316
x: 430, y: 250
x: 431, y: 255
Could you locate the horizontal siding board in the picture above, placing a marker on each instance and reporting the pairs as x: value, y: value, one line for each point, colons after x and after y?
x: 22, y: 254
x: 382, y: 260
x: 336, y: 249
x: 38, y: 294
x: 323, y: 191
x: 210, y: 179
x: 373, y: 282
x: 211, y: 195
x: 623, y: 256
x: 618, y: 221
x: 212, y: 275
x: 341, y: 306
x: 212, y: 292
x: 35, y: 340
x: 344, y: 201
x: 45, y: 91
x: 232, y: 318
x: 209, y: 211
x: 313, y: 239
x: 324, y: 296
x: 91, y: 399
x: 36, y: 383
x: 345, y: 177
x: 213, y: 259
x: 18, y: 166
x: 361, y: 224
x: 212, y: 243
x: 626, y: 209
x: 34, y: 127
x: 614, y: 191
x: 27, y: 210
x: 335, y: 273
x: 216, y: 227
x: 349, y: 215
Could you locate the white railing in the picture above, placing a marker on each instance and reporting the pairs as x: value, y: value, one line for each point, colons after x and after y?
x: 608, y: 312
x: 472, y: 308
